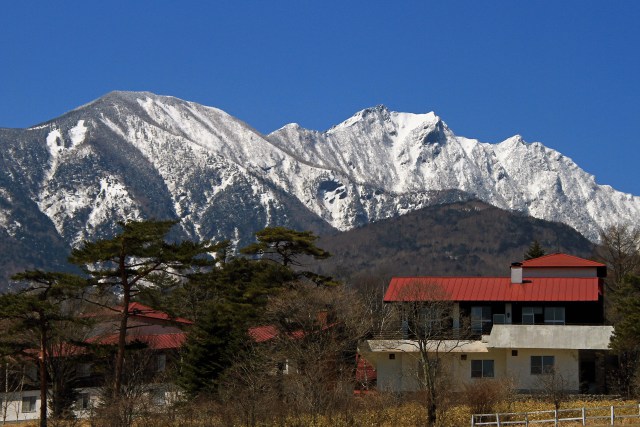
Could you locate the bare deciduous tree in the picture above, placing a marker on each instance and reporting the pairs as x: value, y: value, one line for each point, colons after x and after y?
x: 620, y: 250
x: 431, y: 328
x: 310, y: 358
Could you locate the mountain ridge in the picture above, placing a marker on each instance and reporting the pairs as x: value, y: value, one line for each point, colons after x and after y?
x: 133, y: 155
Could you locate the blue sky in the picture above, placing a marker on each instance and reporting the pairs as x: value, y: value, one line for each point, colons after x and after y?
x: 565, y: 73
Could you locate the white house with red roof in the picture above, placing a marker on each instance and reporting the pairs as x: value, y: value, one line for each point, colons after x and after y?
x: 154, y: 330
x: 545, y: 318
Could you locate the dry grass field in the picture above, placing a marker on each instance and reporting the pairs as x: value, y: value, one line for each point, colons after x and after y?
x: 368, y: 411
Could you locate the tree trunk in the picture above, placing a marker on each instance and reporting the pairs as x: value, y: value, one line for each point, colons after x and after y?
x: 432, y: 415
x: 122, y: 332
x: 122, y: 342
x: 43, y: 373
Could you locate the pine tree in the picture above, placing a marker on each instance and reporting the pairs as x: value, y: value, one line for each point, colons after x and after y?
x: 237, y: 292
x: 625, y: 341
x: 285, y: 245
x: 134, y: 256
x: 534, y: 251
x: 34, y: 312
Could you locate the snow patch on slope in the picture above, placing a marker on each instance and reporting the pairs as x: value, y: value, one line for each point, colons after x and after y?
x: 373, y: 165
x: 112, y: 201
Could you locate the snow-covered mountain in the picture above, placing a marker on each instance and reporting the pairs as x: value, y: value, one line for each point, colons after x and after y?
x: 136, y: 154
x: 402, y: 153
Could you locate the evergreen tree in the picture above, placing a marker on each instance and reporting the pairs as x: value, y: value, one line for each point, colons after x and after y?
x: 131, y: 259
x: 34, y: 312
x: 237, y: 292
x: 232, y: 297
x: 534, y: 251
x: 625, y: 341
x: 285, y: 245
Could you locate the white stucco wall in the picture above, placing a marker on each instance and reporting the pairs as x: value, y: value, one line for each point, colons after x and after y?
x: 11, y: 409
x: 400, y: 374
x: 519, y: 368
x: 565, y: 337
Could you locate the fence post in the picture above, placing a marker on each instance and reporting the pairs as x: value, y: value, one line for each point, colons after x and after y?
x: 526, y: 419
x: 584, y: 416
x: 613, y: 416
x: 498, y: 420
x: 555, y: 417
x: 473, y: 420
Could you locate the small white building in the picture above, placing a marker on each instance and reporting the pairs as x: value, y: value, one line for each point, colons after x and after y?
x: 156, y: 331
x: 546, y: 318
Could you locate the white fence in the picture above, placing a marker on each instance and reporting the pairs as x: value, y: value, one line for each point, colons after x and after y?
x: 603, y: 415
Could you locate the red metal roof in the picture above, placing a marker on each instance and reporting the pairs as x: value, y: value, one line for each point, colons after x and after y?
x: 559, y: 260
x: 365, y: 372
x: 263, y: 333
x: 492, y: 289
x: 269, y: 332
x: 141, y: 310
x: 155, y: 342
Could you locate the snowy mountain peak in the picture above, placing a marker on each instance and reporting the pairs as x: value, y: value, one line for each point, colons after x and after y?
x: 137, y: 154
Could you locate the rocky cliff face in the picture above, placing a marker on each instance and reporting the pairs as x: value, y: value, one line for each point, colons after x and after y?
x: 138, y: 155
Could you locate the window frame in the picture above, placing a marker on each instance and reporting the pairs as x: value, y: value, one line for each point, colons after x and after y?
x: 478, y: 321
x: 161, y: 362
x: 31, y: 406
x: 84, y: 401
x: 542, y: 365
x: 486, y: 368
x: 83, y: 369
x: 531, y: 311
x: 553, y: 312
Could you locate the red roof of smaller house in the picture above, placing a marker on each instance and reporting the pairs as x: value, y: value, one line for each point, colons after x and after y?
x: 493, y: 289
x: 560, y: 260
x: 269, y: 332
x: 141, y: 310
x: 365, y: 372
x: 263, y: 333
x: 155, y: 342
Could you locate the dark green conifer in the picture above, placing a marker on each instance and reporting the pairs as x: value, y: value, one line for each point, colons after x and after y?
x: 534, y: 251
x: 625, y: 341
x: 33, y: 313
x: 237, y: 291
x: 135, y: 255
x: 285, y: 245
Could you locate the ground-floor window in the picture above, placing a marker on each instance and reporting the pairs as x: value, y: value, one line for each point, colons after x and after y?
x: 482, y: 369
x: 542, y: 364
x: 84, y: 401
x: 29, y: 404
x: 158, y: 397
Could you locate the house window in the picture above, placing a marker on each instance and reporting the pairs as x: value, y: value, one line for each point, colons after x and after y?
x: 31, y: 371
x: 83, y: 370
x: 161, y: 362
x: 29, y: 404
x: 431, y: 319
x: 480, y: 319
x: 392, y: 356
x: 542, y: 364
x: 482, y: 369
x: 554, y: 315
x: 84, y: 401
x: 531, y: 315
x: 158, y: 397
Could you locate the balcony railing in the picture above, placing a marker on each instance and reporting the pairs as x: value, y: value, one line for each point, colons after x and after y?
x: 459, y: 333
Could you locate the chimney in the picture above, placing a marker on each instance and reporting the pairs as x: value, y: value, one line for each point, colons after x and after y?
x: 516, y: 272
